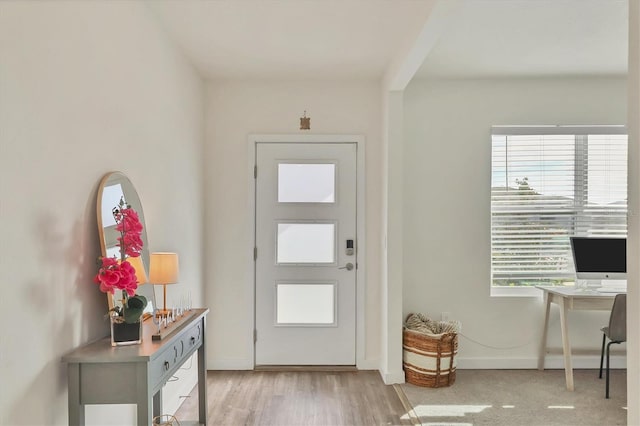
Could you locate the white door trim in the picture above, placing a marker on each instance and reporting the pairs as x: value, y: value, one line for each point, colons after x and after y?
x: 361, y: 257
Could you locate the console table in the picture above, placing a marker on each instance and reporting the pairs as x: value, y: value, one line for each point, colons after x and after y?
x: 99, y: 373
x: 569, y: 299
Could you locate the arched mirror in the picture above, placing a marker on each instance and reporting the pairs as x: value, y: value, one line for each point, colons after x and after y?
x: 115, y: 186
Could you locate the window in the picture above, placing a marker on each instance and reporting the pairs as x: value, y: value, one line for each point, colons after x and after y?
x: 304, y: 303
x: 549, y: 183
x: 306, y: 183
x: 305, y: 243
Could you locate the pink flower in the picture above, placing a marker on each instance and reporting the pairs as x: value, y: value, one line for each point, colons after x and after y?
x: 132, y: 244
x: 130, y: 228
x: 113, y: 275
x: 129, y: 221
x: 118, y: 273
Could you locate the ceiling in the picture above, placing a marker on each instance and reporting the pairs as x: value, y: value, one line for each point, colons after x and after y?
x: 292, y: 39
x: 359, y: 39
x: 523, y: 38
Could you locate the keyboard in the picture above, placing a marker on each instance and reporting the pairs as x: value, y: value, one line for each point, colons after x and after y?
x: 611, y: 289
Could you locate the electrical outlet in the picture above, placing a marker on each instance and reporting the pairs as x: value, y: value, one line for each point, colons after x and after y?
x: 445, y: 316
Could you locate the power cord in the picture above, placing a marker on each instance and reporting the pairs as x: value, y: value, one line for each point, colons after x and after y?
x: 176, y: 378
x: 505, y: 348
x: 190, y: 364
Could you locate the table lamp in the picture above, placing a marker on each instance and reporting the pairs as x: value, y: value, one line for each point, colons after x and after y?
x: 141, y: 274
x: 163, y: 269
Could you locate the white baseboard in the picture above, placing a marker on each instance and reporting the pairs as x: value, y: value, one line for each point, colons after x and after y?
x: 230, y: 364
x: 391, y: 378
x: 368, y: 364
x: 551, y: 362
x: 245, y: 364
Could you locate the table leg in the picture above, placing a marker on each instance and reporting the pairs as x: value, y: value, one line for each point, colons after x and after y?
x: 543, y: 343
x: 157, y: 404
x: 566, y: 346
x: 202, y: 385
x: 76, y: 408
x: 144, y: 399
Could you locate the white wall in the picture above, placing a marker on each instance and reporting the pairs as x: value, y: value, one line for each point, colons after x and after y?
x: 447, y: 162
x: 236, y: 109
x: 633, y: 297
x: 392, y: 245
x: 85, y: 88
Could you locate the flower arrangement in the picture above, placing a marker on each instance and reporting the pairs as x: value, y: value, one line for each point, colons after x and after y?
x: 119, y: 273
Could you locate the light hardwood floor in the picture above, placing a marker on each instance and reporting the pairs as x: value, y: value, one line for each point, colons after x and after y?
x: 298, y: 398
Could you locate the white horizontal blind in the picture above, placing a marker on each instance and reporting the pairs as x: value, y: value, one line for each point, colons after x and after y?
x: 546, y: 187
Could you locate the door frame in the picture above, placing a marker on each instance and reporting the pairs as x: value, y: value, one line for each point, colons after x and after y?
x: 252, y: 142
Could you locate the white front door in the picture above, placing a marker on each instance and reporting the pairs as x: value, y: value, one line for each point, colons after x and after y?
x: 306, y: 261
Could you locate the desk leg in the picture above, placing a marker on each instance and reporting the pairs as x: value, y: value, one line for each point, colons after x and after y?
x: 566, y: 346
x: 76, y: 408
x: 543, y: 344
x: 157, y: 404
x: 144, y: 399
x: 202, y: 385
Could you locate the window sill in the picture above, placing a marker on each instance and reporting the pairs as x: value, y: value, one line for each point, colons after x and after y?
x: 515, y: 292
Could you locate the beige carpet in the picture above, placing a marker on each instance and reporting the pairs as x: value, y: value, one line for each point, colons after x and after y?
x: 521, y: 397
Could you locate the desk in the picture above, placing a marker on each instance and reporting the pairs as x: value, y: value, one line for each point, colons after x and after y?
x: 102, y: 374
x: 569, y: 299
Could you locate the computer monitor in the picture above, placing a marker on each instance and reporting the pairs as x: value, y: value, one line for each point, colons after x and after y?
x: 598, y: 258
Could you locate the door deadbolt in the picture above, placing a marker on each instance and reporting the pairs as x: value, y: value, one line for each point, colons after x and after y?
x: 349, y: 248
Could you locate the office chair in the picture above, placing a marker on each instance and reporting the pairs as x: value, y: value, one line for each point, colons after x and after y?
x: 616, y: 331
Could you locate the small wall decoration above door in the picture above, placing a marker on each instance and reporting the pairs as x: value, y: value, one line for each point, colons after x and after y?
x: 305, y: 122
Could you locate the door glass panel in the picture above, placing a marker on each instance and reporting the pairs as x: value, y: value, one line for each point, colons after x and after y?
x: 306, y: 183
x: 306, y: 243
x: 305, y: 304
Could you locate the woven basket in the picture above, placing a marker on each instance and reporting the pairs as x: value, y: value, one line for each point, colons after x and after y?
x: 165, y: 420
x: 429, y: 360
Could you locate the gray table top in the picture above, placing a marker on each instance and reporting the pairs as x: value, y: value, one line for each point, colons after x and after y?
x: 101, y: 351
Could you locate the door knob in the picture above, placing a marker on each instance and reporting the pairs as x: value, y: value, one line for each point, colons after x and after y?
x: 348, y: 266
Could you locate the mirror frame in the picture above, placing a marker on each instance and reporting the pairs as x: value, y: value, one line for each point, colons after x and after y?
x: 108, y: 234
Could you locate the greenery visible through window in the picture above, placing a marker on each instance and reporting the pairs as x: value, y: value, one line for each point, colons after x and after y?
x: 549, y: 183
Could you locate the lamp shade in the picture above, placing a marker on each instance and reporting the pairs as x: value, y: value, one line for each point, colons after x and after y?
x: 163, y: 268
x: 141, y: 274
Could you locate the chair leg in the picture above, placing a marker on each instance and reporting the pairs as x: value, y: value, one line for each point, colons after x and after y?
x: 604, y: 338
x: 607, y: 385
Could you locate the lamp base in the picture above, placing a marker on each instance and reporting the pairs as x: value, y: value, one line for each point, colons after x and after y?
x: 164, y: 312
